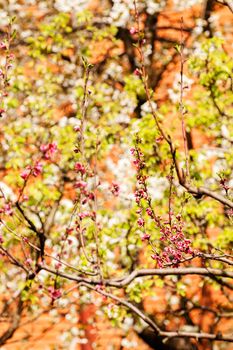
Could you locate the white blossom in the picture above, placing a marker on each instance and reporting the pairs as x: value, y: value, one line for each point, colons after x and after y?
x: 157, y: 186
x: 70, y: 6
x: 174, y: 92
x: 185, y: 4
x: 146, y: 108
x: 129, y: 343
x: 153, y: 6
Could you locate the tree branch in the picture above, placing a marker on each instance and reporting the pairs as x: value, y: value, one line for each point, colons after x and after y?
x: 125, y: 280
x: 154, y: 326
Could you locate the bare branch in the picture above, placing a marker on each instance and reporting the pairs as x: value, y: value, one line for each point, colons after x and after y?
x: 154, y: 326
x: 124, y: 281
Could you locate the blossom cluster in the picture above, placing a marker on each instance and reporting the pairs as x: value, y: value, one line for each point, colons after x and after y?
x: 176, y: 246
x: 35, y: 170
x: 48, y: 150
x: 4, y: 72
x: 173, y: 244
x: 115, y: 189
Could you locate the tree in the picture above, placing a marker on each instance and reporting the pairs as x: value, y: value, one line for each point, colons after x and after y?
x: 104, y: 188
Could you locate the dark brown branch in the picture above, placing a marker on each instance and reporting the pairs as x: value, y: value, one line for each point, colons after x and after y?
x: 125, y: 280
x: 13, y: 260
x: 228, y: 3
x: 171, y: 271
x: 39, y: 234
x: 202, y: 191
x: 154, y: 326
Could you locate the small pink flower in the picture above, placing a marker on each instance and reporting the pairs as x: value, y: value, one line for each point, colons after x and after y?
x: 26, y: 172
x: 91, y: 196
x: 69, y: 231
x: 25, y: 197
x: 133, y: 30
x: 115, y: 189
x: 79, y: 168
x: 159, y: 139
x: 149, y: 212
x: 145, y: 237
x: 84, y: 214
x: 77, y: 128
x: 154, y: 256
x: 48, y: 149
x: 44, y: 148
x: 2, y: 45
x: 99, y: 287
x: 11, y: 56
x: 54, y: 293
x: 80, y: 184
x: 7, y: 210
x: 158, y: 259
x: 37, y: 170
x: 137, y: 72
x: 2, y: 111
x: 28, y: 261
x: 230, y: 212
x: 57, y: 265
x: 141, y: 222
x: 132, y: 150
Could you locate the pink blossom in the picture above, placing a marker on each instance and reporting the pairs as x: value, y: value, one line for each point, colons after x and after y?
x: 99, y: 287
x: 80, y: 184
x: 132, y: 150
x: 44, y: 148
x: 115, y: 189
x: 69, y: 241
x: 141, y: 222
x: 57, y: 265
x: 37, y: 170
x: 7, y: 209
x: 159, y: 139
x: 145, y: 237
x: 77, y: 128
x: 26, y: 172
x: 79, y: 168
x: 224, y: 184
x: 69, y: 231
x: 139, y: 194
x: 28, y: 261
x: 137, y: 72
x: 54, y: 293
x: 2, y: 111
x: 133, y: 30
x: 2, y: 45
x: 158, y: 259
x: 91, y: 196
x: 11, y: 56
x: 85, y: 214
x: 48, y: 149
x: 149, y: 212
